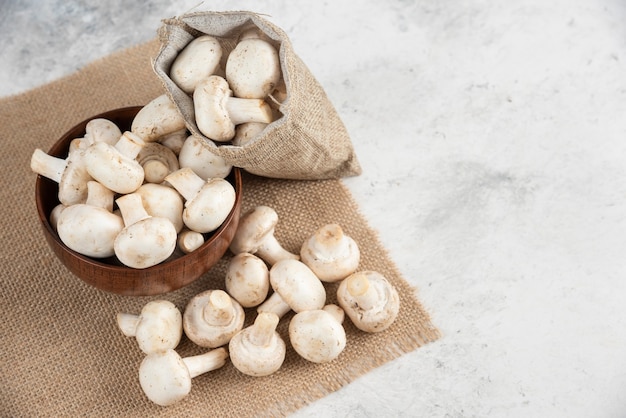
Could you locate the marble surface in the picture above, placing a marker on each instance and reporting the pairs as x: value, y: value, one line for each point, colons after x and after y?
x: 492, y: 138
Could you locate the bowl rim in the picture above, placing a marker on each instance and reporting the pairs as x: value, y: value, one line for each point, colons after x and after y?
x: 179, y: 262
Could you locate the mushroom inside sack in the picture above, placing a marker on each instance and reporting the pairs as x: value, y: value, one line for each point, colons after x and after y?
x: 217, y: 111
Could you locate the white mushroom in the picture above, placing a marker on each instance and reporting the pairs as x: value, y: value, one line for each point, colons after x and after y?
x: 245, y: 132
x: 370, y: 301
x: 212, y: 318
x: 174, y: 140
x: 253, y: 68
x: 279, y: 95
x: 208, y: 202
x: 90, y: 228
x: 157, y: 118
x: 197, y: 156
x: 162, y: 201
x: 102, y: 130
x: 318, y: 335
x: 165, y: 377
x: 218, y: 112
x: 247, y: 279
x: 157, y: 161
x: 255, y: 235
x: 296, y: 288
x: 258, y: 350
x: 252, y: 31
x: 199, y: 59
x: 145, y: 240
x: 70, y: 173
x: 189, y: 241
x: 158, y: 327
x: 55, y: 213
x: 331, y: 254
x: 78, y: 144
x: 115, y: 166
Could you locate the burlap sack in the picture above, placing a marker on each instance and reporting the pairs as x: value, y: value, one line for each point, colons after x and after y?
x: 308, y: 142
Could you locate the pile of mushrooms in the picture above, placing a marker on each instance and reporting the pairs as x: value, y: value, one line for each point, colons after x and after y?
x: 157, y: 185
x: 235, y: 93
x: 263, y: 278
x: 140, y: 194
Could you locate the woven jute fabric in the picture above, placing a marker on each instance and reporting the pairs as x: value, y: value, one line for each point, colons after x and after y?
x: 62, y: 353
x: 309, y: 140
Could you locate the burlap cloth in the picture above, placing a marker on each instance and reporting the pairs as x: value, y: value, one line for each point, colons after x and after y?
x: 62, y: 354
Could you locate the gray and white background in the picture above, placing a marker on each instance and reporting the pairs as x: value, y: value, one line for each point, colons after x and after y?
x: 493, y: 141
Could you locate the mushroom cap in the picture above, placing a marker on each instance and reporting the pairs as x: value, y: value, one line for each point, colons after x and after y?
x: 247, y: 279
x: 210, y: 107
x: 164, y: 377
x: 197, y: 156
x: 253, y: 228
x: 258, y: 355
x: 102, y: 130
x: 160, y: 326
x: 146, y: 243
x: 317, y: 336
x: 245, y: 132
x: 199, y: 59
x: 253, y: 68
x: 297, y: 285
x: 118, y: 172
x: 382, y: 298
x: 89, y: 230
x: 330, y: 253
x: 210, y: 207
x: 157, y: 118
x: 162, y: 201
x: 73, y: 184
x: 197, y: 322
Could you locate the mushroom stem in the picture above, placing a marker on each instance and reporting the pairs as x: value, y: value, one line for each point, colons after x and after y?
x: 331, y: 240
x: 189, y: 241
x: 131, y: 208
x: 128, y: 323
x: 99, y: 196
x: 219, y: 309
x: 129, y: 144
x: 248, y: 110
x: 274, y: 304
x: 186, y: 181
x: 206, y: 362
x: 359, y: 288
x: 271, y: 251
x: 47, y: 165
x: 155, y: 171
x: 262, y: 331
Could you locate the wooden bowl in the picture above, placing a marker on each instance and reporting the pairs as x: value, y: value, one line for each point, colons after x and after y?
x: 109, y: 274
